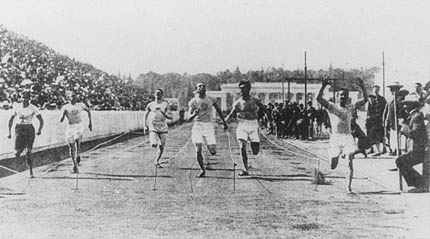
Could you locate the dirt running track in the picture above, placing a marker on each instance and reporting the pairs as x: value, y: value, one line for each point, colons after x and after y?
x: 115, y: 197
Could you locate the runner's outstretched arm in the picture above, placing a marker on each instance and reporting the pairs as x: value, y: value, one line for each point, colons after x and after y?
x: 10, y: 125
x: 63, y: 116
x: 320, y: 99
x: 41, y: 122
x: 362, y: 102
x: 232, y: 112
x: 218, y: 110
x: 146, y: 117
x: 90, y: 124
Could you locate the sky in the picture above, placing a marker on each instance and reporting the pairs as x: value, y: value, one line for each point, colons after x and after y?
x: 196, y: 36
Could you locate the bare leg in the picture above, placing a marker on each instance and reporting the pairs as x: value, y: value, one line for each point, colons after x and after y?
x: 160, y: 151
x: 30, y: 162
x: 199, y: 157
x: 78, y: 150
x: 212, y: 149
x: 255, y: 147
x: 350, y: 173
x: 72, y: 147
x: 242, y: 145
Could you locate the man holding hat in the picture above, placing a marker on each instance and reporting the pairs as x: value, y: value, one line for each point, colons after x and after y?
x: 413, y: 128
x: 24, y: 130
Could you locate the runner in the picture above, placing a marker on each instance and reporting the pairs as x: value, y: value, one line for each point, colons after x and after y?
x: 75, y: 128
x: 246, y: 108
x: 156, y: 114
x: 341, y: 141
x: 200, y: 109
x: 24, y: 130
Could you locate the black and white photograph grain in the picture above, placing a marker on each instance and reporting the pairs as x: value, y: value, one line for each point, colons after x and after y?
x: 194, y: 119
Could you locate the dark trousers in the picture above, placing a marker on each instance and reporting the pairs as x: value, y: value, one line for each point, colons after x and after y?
x: 405, y: 164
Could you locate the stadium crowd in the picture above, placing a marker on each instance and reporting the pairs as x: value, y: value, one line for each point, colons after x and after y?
x: 27, y: 65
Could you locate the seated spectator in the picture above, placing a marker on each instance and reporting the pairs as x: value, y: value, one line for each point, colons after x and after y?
x: 413, y: 128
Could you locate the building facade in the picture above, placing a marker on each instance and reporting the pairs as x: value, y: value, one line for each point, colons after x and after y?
x: 271, y: 92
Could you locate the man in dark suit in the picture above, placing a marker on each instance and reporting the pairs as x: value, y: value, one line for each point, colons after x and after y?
x: 413, y: 128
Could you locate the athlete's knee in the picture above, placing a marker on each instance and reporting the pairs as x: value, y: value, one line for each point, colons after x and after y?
x: 255, y: 147
x: 198, y: 148
x: 242, y: 144
x: 212, y: 149
x: 18, y: 152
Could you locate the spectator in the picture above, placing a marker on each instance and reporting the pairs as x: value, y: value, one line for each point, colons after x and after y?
x: 414, y: 129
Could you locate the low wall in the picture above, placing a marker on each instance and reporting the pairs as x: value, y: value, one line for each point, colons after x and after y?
x: 105, y: 123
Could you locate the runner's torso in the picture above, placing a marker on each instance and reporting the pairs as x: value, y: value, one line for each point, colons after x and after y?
x: 25, y: 114
x: 74, y: 112
x: 204, y: 106
x: 341, y: 118
x: 246, y: 109
x: 155, y: 115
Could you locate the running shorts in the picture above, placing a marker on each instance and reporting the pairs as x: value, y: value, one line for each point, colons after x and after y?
x: 248, y: 130
x: 24, y: 136
x: 157, y: 138
x: 74, y: 132
x: 341, y: 145
x: 203, y: 132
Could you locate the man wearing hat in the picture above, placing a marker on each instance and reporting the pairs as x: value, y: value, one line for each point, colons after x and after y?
x: 24, y: 130
x: 426, y: 163
x: 419, y: 93
x: 391, y: 115
x: 375, y: 118
x: 413, y: 128
x: 311, y: 116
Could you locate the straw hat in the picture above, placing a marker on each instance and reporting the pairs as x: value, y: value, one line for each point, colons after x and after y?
x: 395, y: 85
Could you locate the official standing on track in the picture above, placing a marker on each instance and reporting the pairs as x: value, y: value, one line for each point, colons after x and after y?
x: 24, y: 130
x: 246, y: 108
x: 200, y: 109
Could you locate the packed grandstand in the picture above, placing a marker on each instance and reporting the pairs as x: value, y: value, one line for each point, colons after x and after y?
x: 28, y: 65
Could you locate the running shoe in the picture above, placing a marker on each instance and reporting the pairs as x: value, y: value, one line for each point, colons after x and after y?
x: 334, y: 162
x: 78, y: 159
x: 158, y: 165
x: 75, y: 169
x: 243, y: 173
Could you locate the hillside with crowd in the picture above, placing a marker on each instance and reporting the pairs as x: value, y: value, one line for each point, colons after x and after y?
x: 28, y: 65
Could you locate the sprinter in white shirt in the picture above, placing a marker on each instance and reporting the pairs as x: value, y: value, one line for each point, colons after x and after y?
x: 24, y: 130
x: 155, y: 119
x: 75, y: 128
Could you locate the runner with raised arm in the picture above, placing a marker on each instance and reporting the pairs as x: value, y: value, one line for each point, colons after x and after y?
x: 341, y: 141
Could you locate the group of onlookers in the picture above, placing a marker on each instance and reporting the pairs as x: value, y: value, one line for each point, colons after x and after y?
x: 293, y: 120
x: 27, y: 65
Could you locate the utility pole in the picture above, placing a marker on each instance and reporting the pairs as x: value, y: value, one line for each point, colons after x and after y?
x: 306, y: 84
x: 383, y: 74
